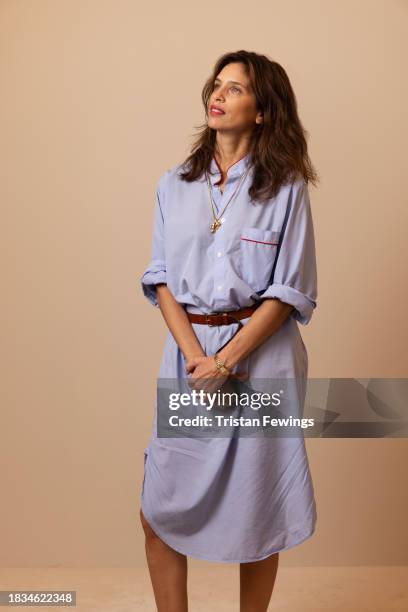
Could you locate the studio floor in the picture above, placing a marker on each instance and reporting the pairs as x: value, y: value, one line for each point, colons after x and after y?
x: 213, y: 587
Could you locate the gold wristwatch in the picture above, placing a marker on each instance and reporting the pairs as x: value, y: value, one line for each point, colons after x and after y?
x: 221, y: 366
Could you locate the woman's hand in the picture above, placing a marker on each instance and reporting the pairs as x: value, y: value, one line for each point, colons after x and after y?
x: 205, y: 374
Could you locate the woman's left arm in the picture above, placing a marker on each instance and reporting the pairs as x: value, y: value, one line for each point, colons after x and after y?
x: 293, y: 288
x: 266, y: 319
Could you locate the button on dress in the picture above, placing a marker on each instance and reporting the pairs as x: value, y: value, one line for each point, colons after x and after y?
x: 236, y: 499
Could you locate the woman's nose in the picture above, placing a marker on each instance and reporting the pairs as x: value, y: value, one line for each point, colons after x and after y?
x: 219, y: 95
x: 219, y: 98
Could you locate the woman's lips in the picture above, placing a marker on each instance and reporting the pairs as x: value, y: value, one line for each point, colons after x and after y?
x: 214, y: 111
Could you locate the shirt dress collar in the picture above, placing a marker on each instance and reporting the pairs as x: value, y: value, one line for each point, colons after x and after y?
x: 236, y: 169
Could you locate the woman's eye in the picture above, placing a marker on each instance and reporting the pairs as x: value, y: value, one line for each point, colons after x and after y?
x: 232, y: 88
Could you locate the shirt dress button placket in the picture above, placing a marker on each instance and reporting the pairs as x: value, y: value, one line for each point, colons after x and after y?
x: 219, y: 250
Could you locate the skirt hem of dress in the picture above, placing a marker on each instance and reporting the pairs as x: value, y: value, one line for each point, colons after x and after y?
x: 194, y: 555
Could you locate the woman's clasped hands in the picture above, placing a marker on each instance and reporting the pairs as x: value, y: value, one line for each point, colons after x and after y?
x: 204, y: 374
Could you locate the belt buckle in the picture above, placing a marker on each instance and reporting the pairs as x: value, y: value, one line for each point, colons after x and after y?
x: 225, y: 315
x: 207, y: 320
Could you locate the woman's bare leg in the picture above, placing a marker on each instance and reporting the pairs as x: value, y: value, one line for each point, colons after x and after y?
x: 257, y: 580
x: 168, y: 572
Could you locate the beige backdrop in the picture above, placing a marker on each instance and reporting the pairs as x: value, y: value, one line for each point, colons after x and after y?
x: 98, y: 98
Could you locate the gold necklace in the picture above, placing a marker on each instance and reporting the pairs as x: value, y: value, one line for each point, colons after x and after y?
x: 217, y: 223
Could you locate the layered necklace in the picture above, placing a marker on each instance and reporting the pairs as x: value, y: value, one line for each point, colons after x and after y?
x: 217, y: 223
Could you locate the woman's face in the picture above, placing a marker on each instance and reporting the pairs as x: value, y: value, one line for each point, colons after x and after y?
x: 233, y: 93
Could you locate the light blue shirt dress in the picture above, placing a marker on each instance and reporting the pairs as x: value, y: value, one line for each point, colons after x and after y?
x: 232, y: 500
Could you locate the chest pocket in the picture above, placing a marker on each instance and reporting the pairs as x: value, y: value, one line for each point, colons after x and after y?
x: 258, y: 249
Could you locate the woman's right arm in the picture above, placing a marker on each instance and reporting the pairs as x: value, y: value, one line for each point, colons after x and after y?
x: 178, y: 323
x: 154, y: 282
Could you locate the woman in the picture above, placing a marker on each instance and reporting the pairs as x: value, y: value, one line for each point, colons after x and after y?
x: 233, y: 233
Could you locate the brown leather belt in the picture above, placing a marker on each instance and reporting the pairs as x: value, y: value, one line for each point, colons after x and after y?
x: 223, y: 318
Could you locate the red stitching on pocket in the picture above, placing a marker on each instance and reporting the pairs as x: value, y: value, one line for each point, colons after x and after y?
x: 260, y: 241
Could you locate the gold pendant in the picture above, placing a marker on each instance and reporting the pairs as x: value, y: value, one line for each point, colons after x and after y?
x: 215, y: 225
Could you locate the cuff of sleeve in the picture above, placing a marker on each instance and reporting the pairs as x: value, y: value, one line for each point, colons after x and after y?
x: 148, y: 282
x: 303, y: 305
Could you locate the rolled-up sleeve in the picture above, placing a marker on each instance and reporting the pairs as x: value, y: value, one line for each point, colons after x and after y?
x: 155, y: 272
x: 294, y: 279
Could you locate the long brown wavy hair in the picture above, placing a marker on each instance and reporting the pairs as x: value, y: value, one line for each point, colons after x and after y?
x: 278, y: 145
